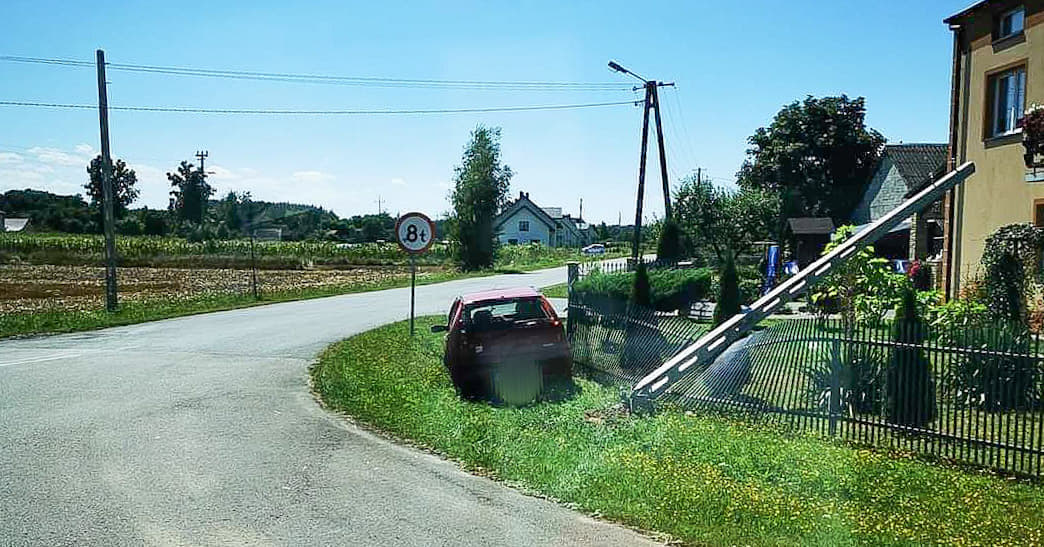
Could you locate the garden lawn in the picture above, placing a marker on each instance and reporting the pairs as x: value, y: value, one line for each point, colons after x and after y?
x: 703, y: 480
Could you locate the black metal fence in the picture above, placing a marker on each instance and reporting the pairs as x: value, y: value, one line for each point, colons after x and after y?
x: 621, y: 342
x: 974, y: 395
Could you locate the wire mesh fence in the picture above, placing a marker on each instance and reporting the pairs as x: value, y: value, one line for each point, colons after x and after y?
x: 969, y: 394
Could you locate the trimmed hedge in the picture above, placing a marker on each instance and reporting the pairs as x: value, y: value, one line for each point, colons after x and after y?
x: 672, y: 289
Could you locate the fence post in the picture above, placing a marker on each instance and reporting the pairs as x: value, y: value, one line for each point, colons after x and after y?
x: 835, y: 385
x: 572, y: 274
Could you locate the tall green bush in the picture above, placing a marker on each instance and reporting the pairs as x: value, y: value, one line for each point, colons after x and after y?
x: 1006, y: 288
x: 728, y: 291
x: 671, y: 246
x: 641, y: 292
x: 911, y: 390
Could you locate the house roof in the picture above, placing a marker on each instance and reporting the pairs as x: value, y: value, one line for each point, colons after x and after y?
x: 15, y: 224
x: 811, y: 225
x: 523, y: 202
x: 919, y: 163
x: 553, y: 212
x: 960, y: 14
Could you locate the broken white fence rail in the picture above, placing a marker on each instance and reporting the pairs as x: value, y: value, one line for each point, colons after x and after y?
x: 714, y: 342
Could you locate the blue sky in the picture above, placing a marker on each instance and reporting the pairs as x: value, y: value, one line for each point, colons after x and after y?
x: 735, y: 65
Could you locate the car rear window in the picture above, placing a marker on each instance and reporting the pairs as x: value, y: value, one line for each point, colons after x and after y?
x: 505, y: 312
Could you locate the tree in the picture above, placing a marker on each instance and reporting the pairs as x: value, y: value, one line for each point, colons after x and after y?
x: 190, y: 193
x: 671, y: 245
x: 724, y: 220
x: 911, y: 392
x: 123, y: 191
x: 481, y: 186
x: 816, y: 157
x: 641, y: 291
x: 728, y: 303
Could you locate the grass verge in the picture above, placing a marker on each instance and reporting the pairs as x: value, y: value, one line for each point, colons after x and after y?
x: 703, y: 480
x: 556, y: 291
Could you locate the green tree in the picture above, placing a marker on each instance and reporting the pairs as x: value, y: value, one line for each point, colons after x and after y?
x: 911, y: 392
x: 816, y: 156
x: 723, y: 220
x: 641, y: 291
x: 123, y: 191
x: 671, y: 245
x: 190, y: 193
x: 728, y: 303
x: 481, y: 186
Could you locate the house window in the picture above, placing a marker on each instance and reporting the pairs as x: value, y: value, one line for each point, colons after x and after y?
x: 523, y: 225
x: 1011, y: 23
x: 1007, y: 98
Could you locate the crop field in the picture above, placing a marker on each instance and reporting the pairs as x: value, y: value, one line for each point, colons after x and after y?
x: 37, y: 288
x: 75, y: 249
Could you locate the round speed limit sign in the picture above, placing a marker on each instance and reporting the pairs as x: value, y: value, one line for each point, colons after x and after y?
x: 415, y: 232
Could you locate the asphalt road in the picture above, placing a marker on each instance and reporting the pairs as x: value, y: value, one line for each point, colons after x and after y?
x: 201, y: 430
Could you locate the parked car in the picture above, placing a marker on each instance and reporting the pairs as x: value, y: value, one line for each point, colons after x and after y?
x: 594, y: 249
x: 507, y: 346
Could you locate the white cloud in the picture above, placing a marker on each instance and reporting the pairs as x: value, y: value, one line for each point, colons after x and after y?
x: 85, y: 149
x: 8, y: 158
x: 55, y: 156
x: 217, y: 172
x: 311, y: 176
x: 398, y: 181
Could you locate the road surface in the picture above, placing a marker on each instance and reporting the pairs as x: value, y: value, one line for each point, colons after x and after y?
x: 201, y: 430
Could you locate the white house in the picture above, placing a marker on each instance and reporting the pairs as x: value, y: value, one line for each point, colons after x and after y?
x: 522, y: 221
x: 12, y: 224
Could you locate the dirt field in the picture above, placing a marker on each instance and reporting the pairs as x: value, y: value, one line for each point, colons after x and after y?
x: 38, y: 288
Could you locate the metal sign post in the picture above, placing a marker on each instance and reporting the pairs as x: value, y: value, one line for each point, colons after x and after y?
x: 415, y: 233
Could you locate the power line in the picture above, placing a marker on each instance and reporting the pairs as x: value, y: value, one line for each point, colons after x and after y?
x: 334, y: 79
x: 193, y: 110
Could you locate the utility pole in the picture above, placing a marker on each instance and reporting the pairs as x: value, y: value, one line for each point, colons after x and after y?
x: 652, y: 102
x: 202, y: 155
x: 107, y: 214
x: 379, y: 209
x: 581, y: 208
x: 699, y: 175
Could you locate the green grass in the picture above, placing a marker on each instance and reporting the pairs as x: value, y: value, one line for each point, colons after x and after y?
x: 556, y: 291
x: 703, y: 480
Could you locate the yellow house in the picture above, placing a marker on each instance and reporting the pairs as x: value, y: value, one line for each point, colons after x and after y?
x: 998, y: 72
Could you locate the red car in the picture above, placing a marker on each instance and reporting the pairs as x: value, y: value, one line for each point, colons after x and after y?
x: 506, y: 345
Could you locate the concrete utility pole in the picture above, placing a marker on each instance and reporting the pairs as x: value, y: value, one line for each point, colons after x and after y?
x: 652, y: 102
x: 106, y: 168
x: 202, y: 155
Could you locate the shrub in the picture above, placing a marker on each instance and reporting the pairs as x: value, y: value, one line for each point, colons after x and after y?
x: 728, y: 303
x: 861, y: 381
x: 641, y: 292
x: 670, y: 247
x: 863, y: 289
x: 671, y: 289
x: 997, y: 376
x: 1006, y: 288
x: 920, y: 276
x: 911, y: 391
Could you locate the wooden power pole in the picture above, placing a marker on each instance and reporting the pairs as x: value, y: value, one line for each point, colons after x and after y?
x: 107, y: 197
